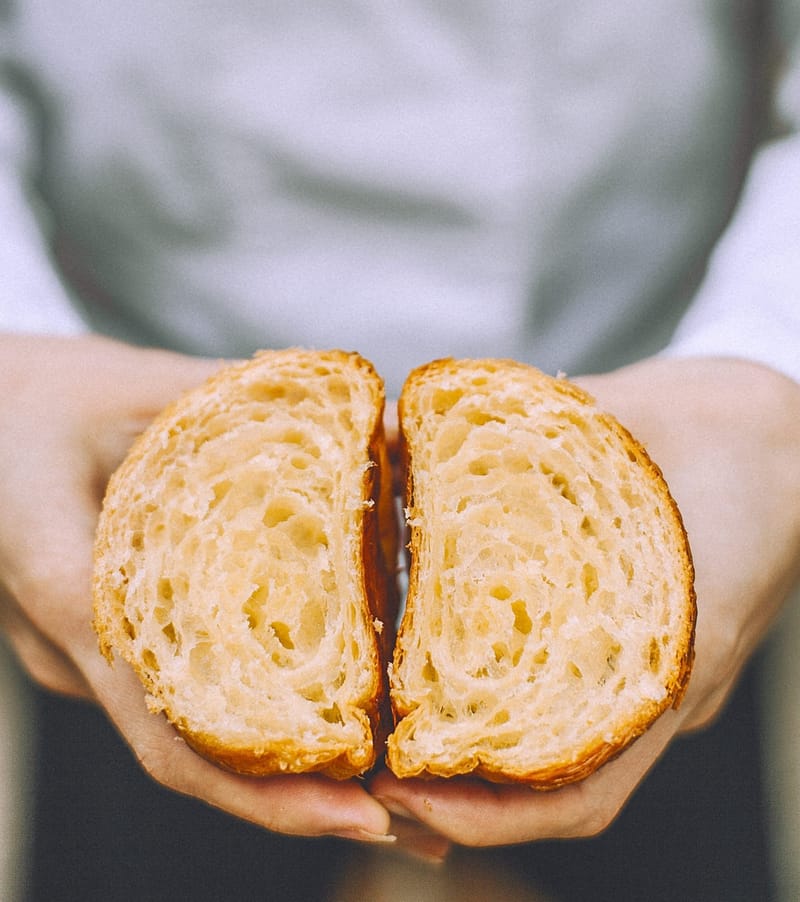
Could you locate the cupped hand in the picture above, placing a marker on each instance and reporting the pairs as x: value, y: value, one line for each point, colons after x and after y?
x: 726, y: 434
x: 69, y: 412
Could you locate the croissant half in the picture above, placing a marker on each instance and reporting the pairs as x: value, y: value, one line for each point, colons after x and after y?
x: 244, y: 563
x: 550, y: 614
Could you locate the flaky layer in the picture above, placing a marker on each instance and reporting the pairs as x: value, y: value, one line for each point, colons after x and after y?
x: 550, y: 613
x: 239, y: 567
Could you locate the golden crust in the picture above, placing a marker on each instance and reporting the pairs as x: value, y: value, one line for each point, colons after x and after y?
x: 374, y: 574
x: 375, y: 570
x: 587, y: 757
x: 282, y: 758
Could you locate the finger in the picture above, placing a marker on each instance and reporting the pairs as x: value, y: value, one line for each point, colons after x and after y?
x: 474, y: 812
x: 309, y: 805
x: 414, y: 838
x: 417, y: 840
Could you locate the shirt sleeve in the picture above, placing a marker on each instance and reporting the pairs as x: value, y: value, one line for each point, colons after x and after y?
x: 748, y: 304
x: 32, y: 296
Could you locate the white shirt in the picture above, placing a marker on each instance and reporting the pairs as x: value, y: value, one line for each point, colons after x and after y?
x: 541, y: 180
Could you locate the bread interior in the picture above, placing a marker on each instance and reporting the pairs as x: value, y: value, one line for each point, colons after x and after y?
x: 234, y: 566
x: 547, y: 617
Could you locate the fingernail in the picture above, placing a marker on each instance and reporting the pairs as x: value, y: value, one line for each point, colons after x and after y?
x: 362, y: 835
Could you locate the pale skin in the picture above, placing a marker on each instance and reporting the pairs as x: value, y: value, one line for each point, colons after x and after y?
x: 725, y: 433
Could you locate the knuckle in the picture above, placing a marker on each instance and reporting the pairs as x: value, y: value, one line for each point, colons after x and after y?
x: 159, y: 765
x: 165, y: 763
x: 599, y: 820
x: 593, y: 817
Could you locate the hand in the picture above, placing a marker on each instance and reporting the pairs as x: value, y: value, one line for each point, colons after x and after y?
x: 726, y: 434
x: 69, y: 411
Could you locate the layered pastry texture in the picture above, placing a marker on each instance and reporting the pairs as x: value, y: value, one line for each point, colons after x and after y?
x: 551, y: 609
x: 244, y: 564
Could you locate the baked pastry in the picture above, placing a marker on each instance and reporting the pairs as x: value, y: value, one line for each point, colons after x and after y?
x: 550, y: 613
x: 244, y: 564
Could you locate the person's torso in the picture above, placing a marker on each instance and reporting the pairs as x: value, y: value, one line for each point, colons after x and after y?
x: 538, y: 180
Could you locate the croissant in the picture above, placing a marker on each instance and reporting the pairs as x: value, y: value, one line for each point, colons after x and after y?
x: 550, y: 612
x: 244, y: 565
